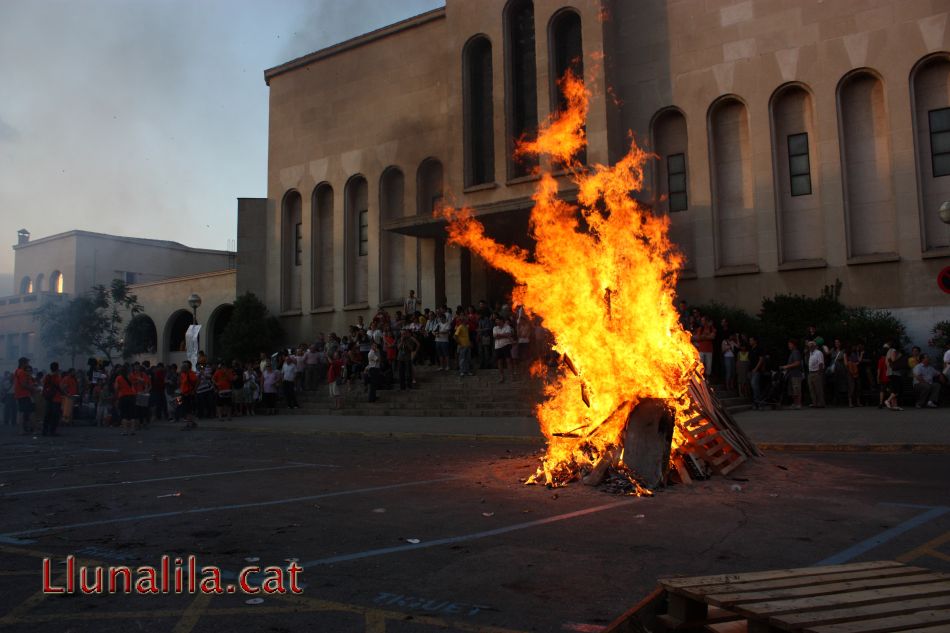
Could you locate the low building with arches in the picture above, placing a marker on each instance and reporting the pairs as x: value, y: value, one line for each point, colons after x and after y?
x: 796, y: 143
x: 56, y: 268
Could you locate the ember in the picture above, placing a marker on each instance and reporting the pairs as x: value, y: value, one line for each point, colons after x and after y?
x: 602, y: 278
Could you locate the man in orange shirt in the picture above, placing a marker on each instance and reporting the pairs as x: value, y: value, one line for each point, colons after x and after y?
x: 70, y: 389
x: 222, y: 379
x: 125, y: 393
x: 53, y: 395
x: 23, y: 388
x: 188, y: 383
x: 142, y: 384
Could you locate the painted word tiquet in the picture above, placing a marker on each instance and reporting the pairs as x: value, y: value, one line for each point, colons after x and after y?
x: 172, y: 575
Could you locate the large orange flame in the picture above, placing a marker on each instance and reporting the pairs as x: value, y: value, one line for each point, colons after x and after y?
x: 602, y: 278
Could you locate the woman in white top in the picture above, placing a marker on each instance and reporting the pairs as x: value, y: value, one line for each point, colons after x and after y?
x: 504, y: 337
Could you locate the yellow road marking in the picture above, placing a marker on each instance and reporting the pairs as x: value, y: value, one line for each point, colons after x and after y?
x: 927, y: 549
x: 193, y: 613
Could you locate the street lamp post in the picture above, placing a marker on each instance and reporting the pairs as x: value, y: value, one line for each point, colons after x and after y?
x: 195, y: 302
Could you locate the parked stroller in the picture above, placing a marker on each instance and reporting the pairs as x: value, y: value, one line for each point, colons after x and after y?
x: 775, y: 390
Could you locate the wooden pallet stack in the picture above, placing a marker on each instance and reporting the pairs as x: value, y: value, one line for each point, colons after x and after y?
x: 715, y: 442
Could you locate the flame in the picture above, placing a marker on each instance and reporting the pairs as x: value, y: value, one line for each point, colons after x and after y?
x: 602, y: 278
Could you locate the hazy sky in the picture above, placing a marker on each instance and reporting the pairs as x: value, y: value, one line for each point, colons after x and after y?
x: 148, y: 118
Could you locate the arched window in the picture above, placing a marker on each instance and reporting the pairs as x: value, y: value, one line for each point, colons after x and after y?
x: 730, y: 154
x: 141, y: 336
x: 669, y: 143
x: 38, y: 284
x: 930, y: 93
x: 866, y: 165
x: 521, y: 83
x: 175, y: 329
x: 321, y: 241
x: 356, y: 212
x: 428, y: 197
x: 478, y: 112
x: 56, y: 282
x: 291, y: 250
x: 26, y: 286
x: 566, y: 53
x: 392, y: 246
x: 670, y: 189
x: 798, y: 207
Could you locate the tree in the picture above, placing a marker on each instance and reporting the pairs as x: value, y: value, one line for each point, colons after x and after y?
x: 250, y: 331
x: 89, y: 322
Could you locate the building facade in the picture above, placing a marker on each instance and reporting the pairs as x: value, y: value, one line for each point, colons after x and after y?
x: 797, y: 143
x: 59, y: 267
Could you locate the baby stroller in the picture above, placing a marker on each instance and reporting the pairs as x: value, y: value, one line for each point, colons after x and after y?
x: 775, y: 389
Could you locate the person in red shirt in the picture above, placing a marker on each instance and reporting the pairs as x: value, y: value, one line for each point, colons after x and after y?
x: 334, y: 377
x: 142, y: 384
x: 53, y: 395
x: 222, y: 379
x: 70, y: 389
x: 23, y: 388
x: 125, y: 393
x: 188, y: 383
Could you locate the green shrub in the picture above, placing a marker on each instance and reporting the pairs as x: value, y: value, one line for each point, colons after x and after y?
x: 941, y: 332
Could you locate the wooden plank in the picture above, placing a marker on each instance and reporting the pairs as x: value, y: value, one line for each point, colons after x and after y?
x: 886, y: 625
x: 728, y: 468
x: 798, y: 572
x: 727, y: 600
x: 738, y: 626
x: 871, y: 596
x: 686, y: 609
x: 797, y: 621
x: 940, y: 628
x: 808, y: 581
x: 714, y: 616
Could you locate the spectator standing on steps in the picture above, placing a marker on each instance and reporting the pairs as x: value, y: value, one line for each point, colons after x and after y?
x: 892, y: 361
x: 464, y: 343
x: 23, y: 388
x: 406, y: 350
x: 289, y: 376
x: 504, y: 337
x: 926, y: 383
x: 793, y: 372
x: 704, y: 338
x: 411, y: 305
x: 816, y: 375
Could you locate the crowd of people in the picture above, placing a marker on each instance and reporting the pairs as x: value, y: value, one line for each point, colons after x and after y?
x: 816, y: 371
x: 380, y: 355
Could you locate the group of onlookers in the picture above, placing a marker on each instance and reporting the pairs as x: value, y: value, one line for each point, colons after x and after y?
x: 380, y: 355
x: 815, y: 370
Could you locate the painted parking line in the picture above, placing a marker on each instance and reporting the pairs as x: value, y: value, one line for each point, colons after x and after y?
x: 929, y: 549
x: 867, y: 545
x: 220, y: 473
x: 14, y: 537
x: 115, y: 461
x: 382, y: 551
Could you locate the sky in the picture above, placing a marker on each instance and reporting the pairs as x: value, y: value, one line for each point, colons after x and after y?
x: 148, y: 118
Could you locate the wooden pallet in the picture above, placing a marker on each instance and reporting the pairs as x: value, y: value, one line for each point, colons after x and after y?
x: 874, y: 597
x: 708, y: 443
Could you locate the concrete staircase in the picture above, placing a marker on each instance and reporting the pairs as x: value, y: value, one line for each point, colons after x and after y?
x: 445, y: 394
x: 435, y: 394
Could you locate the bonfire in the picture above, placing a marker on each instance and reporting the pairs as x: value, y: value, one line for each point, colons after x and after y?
x: 602, y: 277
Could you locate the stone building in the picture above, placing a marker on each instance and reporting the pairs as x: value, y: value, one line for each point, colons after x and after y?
x: 162, y: 273
x: 798, y: 142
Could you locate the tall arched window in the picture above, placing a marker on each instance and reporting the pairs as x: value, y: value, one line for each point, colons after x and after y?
x: 356, y: 235
x: 670, y: 190
x: 291, y: 250
x: 521, y: 82
x: 392, y: 246
x: 798, y: 205
x: 321, y: 244
x: 478, y: 111
x: 730, y: 155
x: 26, y: 286
x: 566, y: 53
x: 428, y: 198
x: 56, y: 282
x: 38, y: 284
x: 866, y: 165
x: 930, y: 92
x: 669, y: 143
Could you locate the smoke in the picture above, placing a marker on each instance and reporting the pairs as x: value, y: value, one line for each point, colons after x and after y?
x: 149, y: 118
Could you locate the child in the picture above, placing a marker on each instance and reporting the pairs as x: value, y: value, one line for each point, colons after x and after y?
x: 336, y: 376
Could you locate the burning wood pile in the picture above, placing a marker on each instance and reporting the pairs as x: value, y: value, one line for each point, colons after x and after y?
x: 627, y: 407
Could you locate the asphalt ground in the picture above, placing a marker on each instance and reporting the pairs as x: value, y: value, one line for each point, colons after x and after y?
x: 492, y: 554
